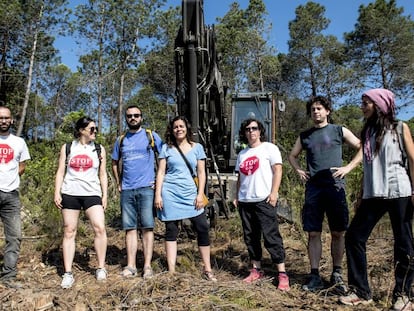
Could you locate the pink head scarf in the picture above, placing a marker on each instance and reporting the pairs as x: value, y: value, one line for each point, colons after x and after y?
x: 383, y: 99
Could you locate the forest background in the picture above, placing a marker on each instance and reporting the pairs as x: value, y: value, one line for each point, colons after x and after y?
x: 131, y: 60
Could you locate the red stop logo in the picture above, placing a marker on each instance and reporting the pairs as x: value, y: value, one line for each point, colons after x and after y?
x: 81, y: 163
x: 249, y: 166
x: 6, y: 154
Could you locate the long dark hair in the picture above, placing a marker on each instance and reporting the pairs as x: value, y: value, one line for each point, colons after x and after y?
x: 81, y: 124
x: 376, y: 125
x: 169, y: 133
x: 242, y: 130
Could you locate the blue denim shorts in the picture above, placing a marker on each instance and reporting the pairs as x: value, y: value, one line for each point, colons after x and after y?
x: 137, y: 208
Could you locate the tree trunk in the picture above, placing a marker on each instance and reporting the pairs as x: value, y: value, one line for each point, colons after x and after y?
x: 29, y: 77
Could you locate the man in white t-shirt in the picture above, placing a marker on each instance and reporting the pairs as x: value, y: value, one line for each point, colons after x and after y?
x: 13, y: 154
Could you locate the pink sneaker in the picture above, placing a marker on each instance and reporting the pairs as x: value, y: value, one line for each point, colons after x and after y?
x: 254, y: 275
x: 283, y: 282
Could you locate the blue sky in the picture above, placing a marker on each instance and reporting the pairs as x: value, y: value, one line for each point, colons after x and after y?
x: 342, y: 14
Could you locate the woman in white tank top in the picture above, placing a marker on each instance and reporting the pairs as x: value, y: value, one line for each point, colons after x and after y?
x: 83, y: 187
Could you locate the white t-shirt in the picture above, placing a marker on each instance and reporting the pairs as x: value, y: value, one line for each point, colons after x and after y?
x: 82, y: 172
x: 254, y: 166
x: 13, y: 150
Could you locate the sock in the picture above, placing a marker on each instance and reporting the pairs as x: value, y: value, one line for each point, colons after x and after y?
x: 315, y: 271
x: 337, y: 269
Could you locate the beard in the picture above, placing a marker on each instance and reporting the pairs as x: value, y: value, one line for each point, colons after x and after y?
x: 5, y: 128
x: 134, y: 126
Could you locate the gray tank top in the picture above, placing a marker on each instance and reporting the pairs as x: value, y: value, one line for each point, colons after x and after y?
x: 323, y: 148
x: 386, y: 176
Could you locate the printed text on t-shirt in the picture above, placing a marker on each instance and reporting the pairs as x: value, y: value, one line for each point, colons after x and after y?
x: 249, y: 166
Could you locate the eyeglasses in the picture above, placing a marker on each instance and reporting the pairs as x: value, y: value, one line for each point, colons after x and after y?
x: 92, y: 129
x: 134, y: 115
x: 251, y: 129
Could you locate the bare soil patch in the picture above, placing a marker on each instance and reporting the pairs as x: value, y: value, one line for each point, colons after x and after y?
x: 40, y: 276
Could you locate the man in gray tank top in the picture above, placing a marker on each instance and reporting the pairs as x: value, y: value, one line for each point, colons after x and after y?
x: 325, y: 188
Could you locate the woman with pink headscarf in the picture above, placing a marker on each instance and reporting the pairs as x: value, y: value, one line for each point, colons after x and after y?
x: 387, y: 188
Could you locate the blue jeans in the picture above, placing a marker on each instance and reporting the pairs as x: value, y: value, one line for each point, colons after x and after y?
x: 137, y: 208
x: 10, y: 216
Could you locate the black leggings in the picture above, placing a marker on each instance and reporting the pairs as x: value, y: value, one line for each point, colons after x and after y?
x: 199, y: 224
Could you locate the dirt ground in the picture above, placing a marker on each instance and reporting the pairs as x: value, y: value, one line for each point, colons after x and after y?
x: 40, y: 276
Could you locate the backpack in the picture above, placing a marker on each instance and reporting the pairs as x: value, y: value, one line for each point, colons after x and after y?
x: 97, y: 149
x: 400, y: 137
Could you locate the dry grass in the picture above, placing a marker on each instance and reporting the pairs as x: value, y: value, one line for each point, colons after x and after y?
x: 39, y: 273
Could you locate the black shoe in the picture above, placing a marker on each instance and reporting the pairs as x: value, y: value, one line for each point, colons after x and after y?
x: 338, y: 284
x: 314, y: 284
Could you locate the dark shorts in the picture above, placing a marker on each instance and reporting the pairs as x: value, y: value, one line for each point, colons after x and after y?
x: 80, y: 202
x: 321, y: 199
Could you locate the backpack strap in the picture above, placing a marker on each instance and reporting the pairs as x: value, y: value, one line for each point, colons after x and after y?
x: 98, y: 150
x: 151, y: 141
x: 151, y: 145
x: 120, y: 141
x: 400, y: 137
x: 67, y: 147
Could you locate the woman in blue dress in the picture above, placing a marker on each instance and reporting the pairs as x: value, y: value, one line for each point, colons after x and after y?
x: 176, y: 195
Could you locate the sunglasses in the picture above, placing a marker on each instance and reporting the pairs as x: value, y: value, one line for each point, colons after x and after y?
x: 92, y: 129
x: 251, y: 129
x: 134, y: 115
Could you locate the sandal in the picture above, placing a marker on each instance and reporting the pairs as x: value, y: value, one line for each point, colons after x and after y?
x: 147, y: 273
x: 128, y: 272
x: 209, y: 276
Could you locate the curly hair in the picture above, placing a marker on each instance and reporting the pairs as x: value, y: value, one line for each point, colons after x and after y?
x: 82, y: 123
x: 242, y: 130
x: 169, y: 133
x: 326, y: 103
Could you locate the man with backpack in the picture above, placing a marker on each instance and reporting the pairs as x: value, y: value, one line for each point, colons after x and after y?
x: 133, y: 165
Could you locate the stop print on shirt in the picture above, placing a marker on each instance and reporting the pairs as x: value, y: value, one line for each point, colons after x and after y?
x: 81, y: 162
x: 249, y: 166
x: 6, y: 154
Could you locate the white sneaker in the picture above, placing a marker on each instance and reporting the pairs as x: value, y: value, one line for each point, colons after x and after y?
x: 402, y: 304
x: 101, y: 274
x: 67, y: 280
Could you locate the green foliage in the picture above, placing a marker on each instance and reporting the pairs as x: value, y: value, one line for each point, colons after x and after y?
x: 37, y: 190
x: 240, y: 40
x: 381, y: 48
x: 318, y: 60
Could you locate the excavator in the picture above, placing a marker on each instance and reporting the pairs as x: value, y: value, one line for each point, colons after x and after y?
x: 201, y: 94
